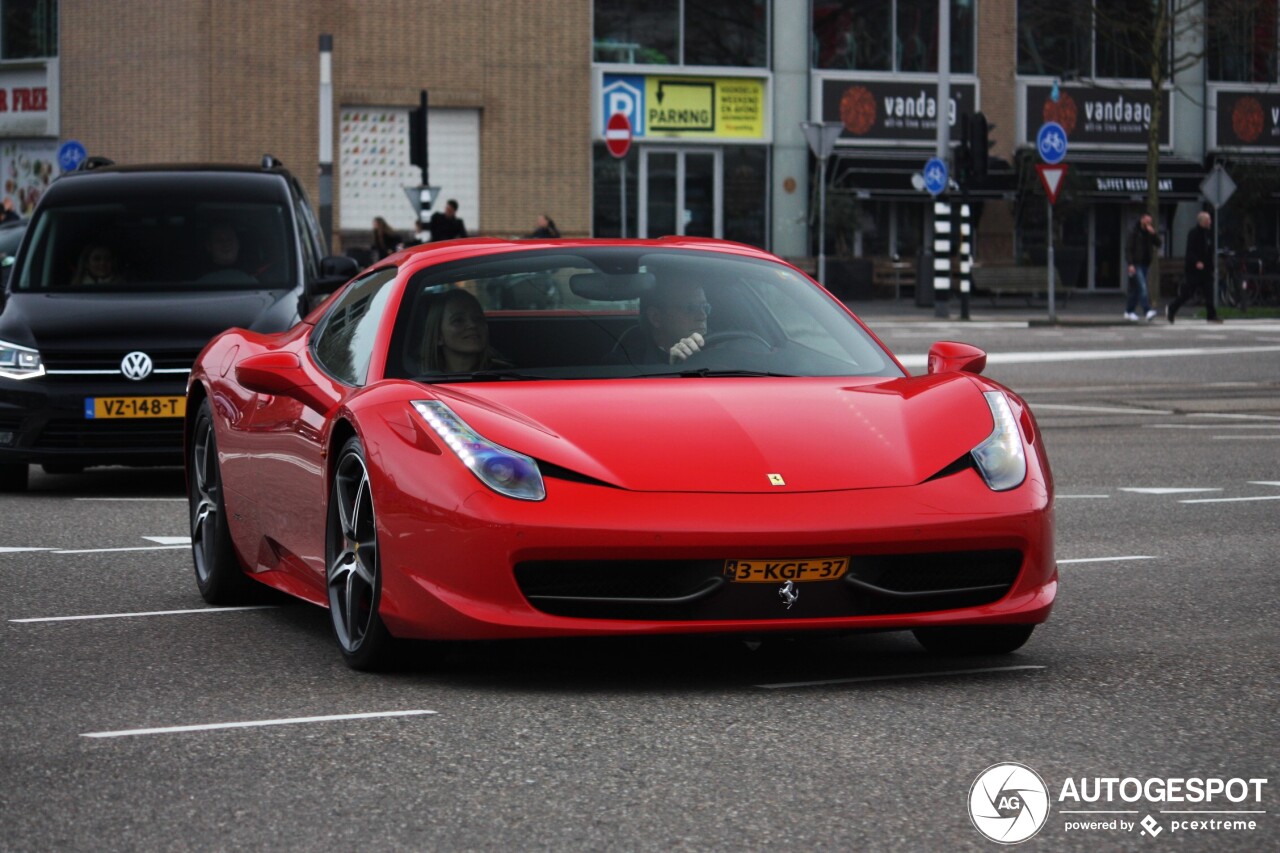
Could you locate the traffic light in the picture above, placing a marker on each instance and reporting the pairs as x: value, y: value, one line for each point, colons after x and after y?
x: 418, y: 135
x: 978, y: 145
x: 964, y: 159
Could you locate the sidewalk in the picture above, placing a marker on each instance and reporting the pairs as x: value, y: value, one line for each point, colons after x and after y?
x: 1081, y: 309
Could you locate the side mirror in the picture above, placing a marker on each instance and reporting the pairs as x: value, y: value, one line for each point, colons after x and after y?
x: 335, y: 271
x: 280, y: 374
x: 952, y: 357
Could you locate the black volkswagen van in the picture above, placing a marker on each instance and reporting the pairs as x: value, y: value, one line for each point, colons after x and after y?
x: 122, y: 277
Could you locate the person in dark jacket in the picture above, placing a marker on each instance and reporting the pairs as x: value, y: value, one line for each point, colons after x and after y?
x: 1141, y: 250
x: 1199, y: 270
x: 447, y: 225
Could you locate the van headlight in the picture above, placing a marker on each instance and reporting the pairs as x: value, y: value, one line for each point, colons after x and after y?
x: 19, y: 362
x: 1001, y: 459
x: 505, y: 471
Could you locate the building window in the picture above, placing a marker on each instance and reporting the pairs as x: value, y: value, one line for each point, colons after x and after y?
x: 1086, y: 40
x: 900, y: 35
x: 682, y: 32
x: 28, y: 29
x: 1242, y: 41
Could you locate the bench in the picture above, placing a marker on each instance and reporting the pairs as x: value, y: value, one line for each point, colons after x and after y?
x: 888, y: 274
x: 1028, y: 282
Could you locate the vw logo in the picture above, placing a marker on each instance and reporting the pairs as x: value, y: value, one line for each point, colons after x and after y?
x: 136, y: 365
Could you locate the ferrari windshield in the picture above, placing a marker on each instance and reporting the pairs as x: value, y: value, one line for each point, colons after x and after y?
x: 159, y: 241
x: 599, y: 312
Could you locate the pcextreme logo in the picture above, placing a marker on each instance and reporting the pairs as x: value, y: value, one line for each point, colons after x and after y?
x: 1009, y: 803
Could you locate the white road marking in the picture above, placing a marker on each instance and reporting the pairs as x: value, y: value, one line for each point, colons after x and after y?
x: 1117, y: 410
x: 1264, y: 482
x: 1212, y: 426
x: 899, y: 677
x: 1230, y: 500
x: 146, y: 613
x: 17, y: 550
x: 1059, y: 356
x: 1166, y: 491
x: 208, y: 727
x: 1243, y: 437
x: 169, y: 540
x: 175, y: 500
x: 1233, y: 416
x: 109, y: 550
x: 1070, y: 497
x: 1105, y: 559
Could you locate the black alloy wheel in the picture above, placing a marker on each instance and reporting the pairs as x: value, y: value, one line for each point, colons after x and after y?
x: 354, y: 573
x: 218, y: 573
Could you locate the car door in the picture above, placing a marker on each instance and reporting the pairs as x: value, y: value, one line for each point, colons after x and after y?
x: 289, y: 436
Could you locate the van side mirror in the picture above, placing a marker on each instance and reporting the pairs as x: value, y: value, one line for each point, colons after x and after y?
x: 335, y: 271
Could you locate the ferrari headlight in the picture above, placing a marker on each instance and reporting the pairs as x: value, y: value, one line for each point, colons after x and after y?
x: 505, y: 471
x: 19, y: 362
x: 1000, y: 458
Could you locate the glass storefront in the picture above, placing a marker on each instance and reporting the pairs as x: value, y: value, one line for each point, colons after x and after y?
x: 695, y: 191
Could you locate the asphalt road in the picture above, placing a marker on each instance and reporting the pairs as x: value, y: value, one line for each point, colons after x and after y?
x: 1160, y: 662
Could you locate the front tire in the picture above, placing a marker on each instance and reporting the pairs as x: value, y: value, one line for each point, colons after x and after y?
x: 218, y: 573
x: 354, y: 572
x: 13, y: 477
x: 974, y: 639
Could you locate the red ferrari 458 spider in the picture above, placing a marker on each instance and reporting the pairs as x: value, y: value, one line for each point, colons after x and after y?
x: 499, y: 439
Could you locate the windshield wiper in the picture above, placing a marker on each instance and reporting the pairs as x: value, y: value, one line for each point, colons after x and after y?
x: 707, y: 371
x: 478, y: 376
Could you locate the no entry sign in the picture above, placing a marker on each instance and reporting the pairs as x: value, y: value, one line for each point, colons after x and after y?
x: 617, y: 135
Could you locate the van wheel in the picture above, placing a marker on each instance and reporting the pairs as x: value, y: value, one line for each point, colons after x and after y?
x: 13, y: 477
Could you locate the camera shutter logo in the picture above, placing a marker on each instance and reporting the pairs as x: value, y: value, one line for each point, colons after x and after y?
x: 136, y: 366
x: 1008, y: 802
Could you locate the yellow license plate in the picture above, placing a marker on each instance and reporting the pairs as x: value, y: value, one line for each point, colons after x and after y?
x: 135, y: 407
x: 781, y: 571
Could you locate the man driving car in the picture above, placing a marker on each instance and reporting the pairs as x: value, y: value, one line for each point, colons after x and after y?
x: 673, y: 325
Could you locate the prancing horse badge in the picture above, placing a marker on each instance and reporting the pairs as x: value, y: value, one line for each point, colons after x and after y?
x: 788, y: 593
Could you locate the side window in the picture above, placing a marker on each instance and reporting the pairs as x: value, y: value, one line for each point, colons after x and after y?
x: 308, y: 233
x: 344, y: 342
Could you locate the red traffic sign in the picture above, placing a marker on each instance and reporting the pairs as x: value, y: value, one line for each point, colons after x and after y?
x: 617, y: 135
x: 1051, y: 178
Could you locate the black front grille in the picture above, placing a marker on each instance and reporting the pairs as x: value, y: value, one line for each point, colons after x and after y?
x: 675, y: 590
x: 161, y: 359
x: 142, y: 434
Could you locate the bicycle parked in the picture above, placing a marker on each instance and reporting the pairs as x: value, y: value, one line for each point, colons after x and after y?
x: 1244, y: 282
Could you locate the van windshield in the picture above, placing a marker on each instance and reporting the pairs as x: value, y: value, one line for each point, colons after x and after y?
x: 159, y: 243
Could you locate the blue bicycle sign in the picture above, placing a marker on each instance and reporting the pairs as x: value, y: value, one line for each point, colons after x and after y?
x: 1051, y: 142
x: 935, y: 176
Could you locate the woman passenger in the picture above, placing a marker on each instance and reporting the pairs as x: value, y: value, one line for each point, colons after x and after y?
x: 457, y: 336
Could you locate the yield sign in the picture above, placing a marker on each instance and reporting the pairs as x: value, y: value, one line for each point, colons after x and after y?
x: 1051, y: 179
x: 617, y: 135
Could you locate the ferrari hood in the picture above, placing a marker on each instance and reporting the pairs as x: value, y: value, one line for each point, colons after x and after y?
x: 734, y: 434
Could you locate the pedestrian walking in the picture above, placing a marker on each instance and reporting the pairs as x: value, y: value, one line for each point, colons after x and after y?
x: 546, y: 228
x: 386, y: 241
x: 1141, y: 250
x: 1198, y: 269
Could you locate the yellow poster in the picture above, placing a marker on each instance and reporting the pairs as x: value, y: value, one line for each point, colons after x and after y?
x: 704, y: 107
